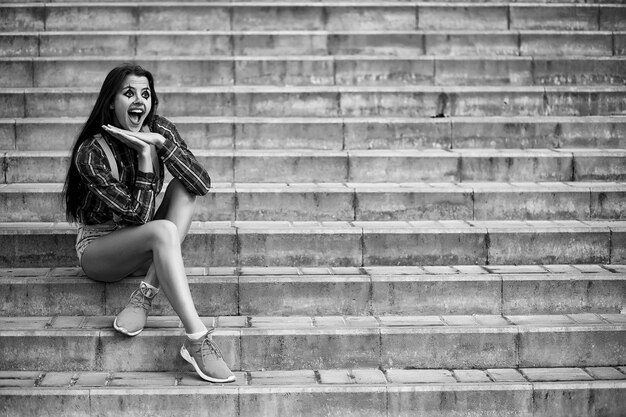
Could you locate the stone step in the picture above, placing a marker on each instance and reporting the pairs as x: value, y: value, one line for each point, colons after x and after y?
x: 337, y: 133
x: 318, y: 70
x: 328, y: 291
x: 359, y: 392
x: 308, y: 243
x: 370, y: 166
x: 28, y: 202
x: 312, y: 15
x: 334, y: 101
x: 348, y: 2
x: 299, y: 42
x: 89, y: 343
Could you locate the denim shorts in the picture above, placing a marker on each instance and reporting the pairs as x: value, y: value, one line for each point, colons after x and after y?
x: 87, y: 233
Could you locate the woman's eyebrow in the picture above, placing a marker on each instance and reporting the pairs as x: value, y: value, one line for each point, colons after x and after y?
x: 130, y: 87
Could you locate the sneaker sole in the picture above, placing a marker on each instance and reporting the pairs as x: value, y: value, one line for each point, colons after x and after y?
x: 124, y: 331
x: 186, y: 356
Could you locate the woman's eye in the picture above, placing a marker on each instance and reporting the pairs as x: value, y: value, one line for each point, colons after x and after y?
x: 128, y: 94
x: 146, y: 95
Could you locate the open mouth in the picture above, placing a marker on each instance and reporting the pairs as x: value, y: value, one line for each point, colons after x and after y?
x: 135, y: 115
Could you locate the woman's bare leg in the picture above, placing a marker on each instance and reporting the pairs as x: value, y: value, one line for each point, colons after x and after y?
x: 112, y: 257
x: 178, y: 206
x: 123, y: 252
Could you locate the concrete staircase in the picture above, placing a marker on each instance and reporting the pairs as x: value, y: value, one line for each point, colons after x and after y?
x: 418, y: 208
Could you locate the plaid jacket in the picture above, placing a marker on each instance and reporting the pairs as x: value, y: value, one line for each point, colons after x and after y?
x: 131, y: 200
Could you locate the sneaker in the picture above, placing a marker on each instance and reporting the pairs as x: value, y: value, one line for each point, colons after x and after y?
x: 207, y: 359
x: 132, y: 319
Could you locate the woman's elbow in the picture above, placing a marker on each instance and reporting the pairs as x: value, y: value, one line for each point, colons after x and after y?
x: 136, y: 218
x: 203, y: 188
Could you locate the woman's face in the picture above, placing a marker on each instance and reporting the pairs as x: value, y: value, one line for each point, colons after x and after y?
x: 132, y: 103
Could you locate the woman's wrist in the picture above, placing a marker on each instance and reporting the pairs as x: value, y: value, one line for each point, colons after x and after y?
x: 159, y: 141
x: 145, y: 160
x: 155, y: 139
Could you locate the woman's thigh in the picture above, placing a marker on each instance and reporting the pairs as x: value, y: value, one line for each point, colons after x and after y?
x: 178, y: 206
x: 120, y: 253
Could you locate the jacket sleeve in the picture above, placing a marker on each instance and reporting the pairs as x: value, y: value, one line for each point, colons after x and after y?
x: 179, y: 160
x: 134, y: 205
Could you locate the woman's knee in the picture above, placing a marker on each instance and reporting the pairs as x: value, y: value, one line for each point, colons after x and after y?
x: 163, y: 232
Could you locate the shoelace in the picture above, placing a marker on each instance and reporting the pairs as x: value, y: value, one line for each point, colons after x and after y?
x: 137, y: 299
x: 207, y: 343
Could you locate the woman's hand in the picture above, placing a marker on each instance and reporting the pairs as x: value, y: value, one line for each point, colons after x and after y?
x: 140, y: 142
x: 127, y: 138
x: 145, y: 136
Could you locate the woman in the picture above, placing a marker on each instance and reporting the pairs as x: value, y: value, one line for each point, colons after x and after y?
x: 114, y: 178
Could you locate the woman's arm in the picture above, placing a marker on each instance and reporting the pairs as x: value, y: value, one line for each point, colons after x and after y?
x: 179, y: 160
x: 134, y: 205
x: 174, y: 153
x: 144, y: 147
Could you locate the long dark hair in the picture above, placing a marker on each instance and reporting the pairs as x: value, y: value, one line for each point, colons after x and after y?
x: 74, y: 190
